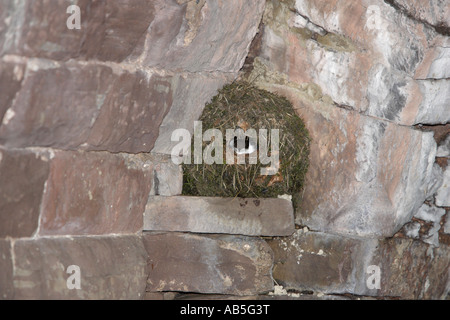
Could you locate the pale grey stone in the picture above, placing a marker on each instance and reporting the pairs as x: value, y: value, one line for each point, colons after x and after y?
x: 444, y: 148
x: 251, y: 216
x: 434, y: 108
x: 443, y: 193
x: 188, y: 103
x: 435, y: 181
x: 433, y: 215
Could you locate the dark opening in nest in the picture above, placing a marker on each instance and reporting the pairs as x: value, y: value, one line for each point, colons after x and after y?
x: 242, y: 105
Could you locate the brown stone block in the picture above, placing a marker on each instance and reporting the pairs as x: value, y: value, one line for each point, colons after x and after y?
x: 11, y: 76
x: 22, y: 179
x: 6, y: 274
x: 412, y: 269
x: 319, y: 262
x: 200, y: 35
x: 327, y: 263
x: 253, y: 217
x: 208, y: 264
x: 95, y: 193
x: 109, y: 30
x: 87, y: 106
x: 131, y: 113
x: 109, y: 268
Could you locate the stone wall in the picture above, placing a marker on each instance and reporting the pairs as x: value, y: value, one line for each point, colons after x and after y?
x: 86, y: 177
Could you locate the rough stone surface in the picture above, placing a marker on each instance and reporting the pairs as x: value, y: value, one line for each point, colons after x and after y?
x: 412, y: 270
x: 434, y: 216
x: 6, y: 276
x: 110, y: 268
x: 434, y: 12
x: 86, y: 106
x: 446, y: 227
x: 434, y: 107
x: 366, y: 176
x: 378, y: 62
x: 443, y: 193
x: 196, y: 36
x: 201, y: 35
x: 253, y: 217
x: 76, y: 106
x: 435, y: 182
x: 208, y: 264
x: 110, y: 30
x: 167, y: 176
x: 11, y: 76
x: 22, y: 181
x: 335, y: 264
x: 95, y: 193
x: 191, y: 96
x: 317, y: 261
x: 444, y: 148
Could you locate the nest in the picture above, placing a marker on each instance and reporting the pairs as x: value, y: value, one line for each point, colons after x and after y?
x: 241, y: 105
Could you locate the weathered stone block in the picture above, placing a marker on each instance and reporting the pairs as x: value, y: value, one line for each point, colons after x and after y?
x: 366, y: 177
x: 443, y: 193
x: 110, y: 30
x: 434, y: 108
x: 194, y: 36
x: 366, y: 56
x: 334, y: 264
x: 444, y: 148
x: 319, y: 262
x: 6, y: 275
x: 201, y: 35
x: 89, y: 106
x: 412, y: 269
x: 434, y: 12
x: 190, y: 98
x: 167, y: 176
x: 95, y: 193
x: 11, y: 76
x: 109, y: 268
x: 252, y: 217
x: 22, y: 181
x: 208, y: 264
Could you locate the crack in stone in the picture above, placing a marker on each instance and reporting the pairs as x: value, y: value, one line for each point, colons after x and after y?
x: 441, y: 28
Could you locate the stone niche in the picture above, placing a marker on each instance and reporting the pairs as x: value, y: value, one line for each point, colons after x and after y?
x: 247, y: 159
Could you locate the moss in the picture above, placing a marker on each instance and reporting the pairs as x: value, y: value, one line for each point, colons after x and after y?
x: 332, y: 41
x: 239, y: 103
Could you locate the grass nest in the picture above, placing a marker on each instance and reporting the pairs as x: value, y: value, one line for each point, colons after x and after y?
x: 242, y: 105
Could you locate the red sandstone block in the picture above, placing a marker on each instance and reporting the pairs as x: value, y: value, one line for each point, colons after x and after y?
x: 95, y: 193
x: 110, y: 267
x: 109, y: 30
x: 86, y: 106
x: 22, y: 180
x: 208, y: 264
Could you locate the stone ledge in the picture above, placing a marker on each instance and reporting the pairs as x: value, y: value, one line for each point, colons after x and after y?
x: 252, y: 217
